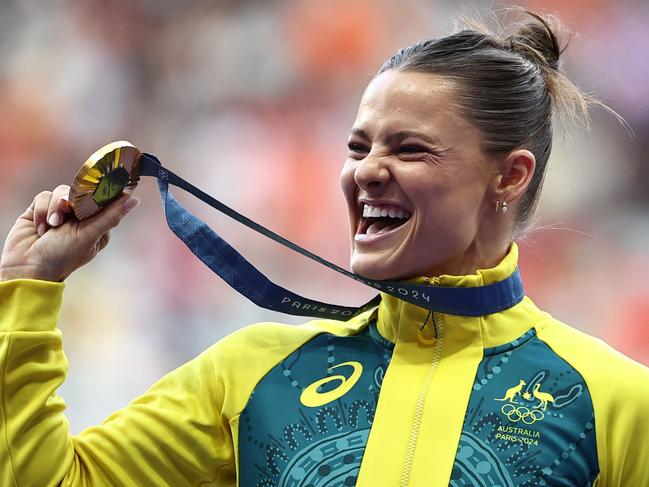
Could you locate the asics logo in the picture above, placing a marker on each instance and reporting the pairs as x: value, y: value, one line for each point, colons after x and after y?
x: 310, y: 396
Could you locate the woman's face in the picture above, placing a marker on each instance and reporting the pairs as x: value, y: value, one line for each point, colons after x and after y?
x: 416, y: 182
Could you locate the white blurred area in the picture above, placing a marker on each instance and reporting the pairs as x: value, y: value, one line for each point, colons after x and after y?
x: 252, y: 102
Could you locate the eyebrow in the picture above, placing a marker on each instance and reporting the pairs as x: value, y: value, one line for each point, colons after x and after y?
x: 398, y: 136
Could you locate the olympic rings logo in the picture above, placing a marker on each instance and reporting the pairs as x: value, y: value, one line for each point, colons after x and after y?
x: 522, y: 413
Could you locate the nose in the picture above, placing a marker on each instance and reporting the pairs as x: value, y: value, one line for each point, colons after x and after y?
x: 371, y: 173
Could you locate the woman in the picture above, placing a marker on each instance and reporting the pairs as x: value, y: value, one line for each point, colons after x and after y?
x: 446, y: 160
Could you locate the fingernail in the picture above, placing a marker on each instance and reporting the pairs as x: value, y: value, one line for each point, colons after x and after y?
x: 41, y: 229
x: 54, y: 219
x: 131, y: 203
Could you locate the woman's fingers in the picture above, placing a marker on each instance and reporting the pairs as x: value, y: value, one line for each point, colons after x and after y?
x: 72, y: 244
x: 50, y: 208
x: 101, y: 223
x: 41, y: 207
x: 55, y: 213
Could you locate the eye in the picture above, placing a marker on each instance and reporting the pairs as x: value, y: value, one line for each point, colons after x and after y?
x: 412, y: 149
x: 356, y: 149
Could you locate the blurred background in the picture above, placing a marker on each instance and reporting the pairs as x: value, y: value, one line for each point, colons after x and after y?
x: 252, y: 102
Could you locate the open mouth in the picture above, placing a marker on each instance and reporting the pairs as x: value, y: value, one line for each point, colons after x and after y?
x: 381, y: 219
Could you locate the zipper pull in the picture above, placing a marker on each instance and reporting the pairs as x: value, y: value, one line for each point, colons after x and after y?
x: 420, y: 332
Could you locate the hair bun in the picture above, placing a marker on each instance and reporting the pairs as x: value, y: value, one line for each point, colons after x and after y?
x: 537, y: 41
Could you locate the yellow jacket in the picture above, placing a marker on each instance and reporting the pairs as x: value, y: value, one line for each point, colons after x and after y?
x: 393, y: 397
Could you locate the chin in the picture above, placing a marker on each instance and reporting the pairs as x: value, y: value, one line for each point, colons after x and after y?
x: 377, y: 269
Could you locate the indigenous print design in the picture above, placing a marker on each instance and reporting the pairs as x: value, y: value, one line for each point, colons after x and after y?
x: 315, y: 434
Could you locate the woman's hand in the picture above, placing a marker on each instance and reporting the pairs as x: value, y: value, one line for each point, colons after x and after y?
x: 47, y: 242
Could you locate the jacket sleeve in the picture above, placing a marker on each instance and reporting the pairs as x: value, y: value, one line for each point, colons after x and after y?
x: 619, y: 388
x: 175, y: 434
x: 626, y: 425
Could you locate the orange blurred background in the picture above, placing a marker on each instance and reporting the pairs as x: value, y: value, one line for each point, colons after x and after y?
x: 252, y: 101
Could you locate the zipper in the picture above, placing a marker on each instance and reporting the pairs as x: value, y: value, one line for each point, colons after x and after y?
x: 438, y: 325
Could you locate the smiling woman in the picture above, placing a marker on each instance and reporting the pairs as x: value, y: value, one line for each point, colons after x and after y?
x: 446, y: 161
x: 412, y: 150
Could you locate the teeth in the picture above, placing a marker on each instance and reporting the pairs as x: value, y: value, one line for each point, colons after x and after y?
x: 370, y: 211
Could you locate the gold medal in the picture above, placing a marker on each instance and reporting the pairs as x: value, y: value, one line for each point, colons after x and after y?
x: 113, y: 169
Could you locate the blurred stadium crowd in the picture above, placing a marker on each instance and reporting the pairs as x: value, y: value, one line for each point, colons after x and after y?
x: 252, y: 101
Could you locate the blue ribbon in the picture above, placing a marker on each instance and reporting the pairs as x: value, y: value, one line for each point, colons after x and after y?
x: 242, y: 276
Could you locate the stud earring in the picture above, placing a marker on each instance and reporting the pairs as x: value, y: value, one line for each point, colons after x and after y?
x: 501, y: 207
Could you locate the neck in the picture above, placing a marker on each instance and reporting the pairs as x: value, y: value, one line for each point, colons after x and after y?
x: 482, y: 253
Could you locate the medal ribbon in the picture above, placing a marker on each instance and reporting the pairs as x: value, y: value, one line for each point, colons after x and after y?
x: 242, y: 276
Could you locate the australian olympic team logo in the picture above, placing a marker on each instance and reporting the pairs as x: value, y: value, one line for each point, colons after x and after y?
x: 527, y: 412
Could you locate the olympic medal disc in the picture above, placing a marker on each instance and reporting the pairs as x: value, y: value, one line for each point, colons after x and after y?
x: 113, y: 169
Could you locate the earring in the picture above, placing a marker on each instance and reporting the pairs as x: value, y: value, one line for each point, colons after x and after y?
x: 501, y: 207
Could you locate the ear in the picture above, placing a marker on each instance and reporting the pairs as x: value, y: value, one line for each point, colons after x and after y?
x: 517, y: 171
